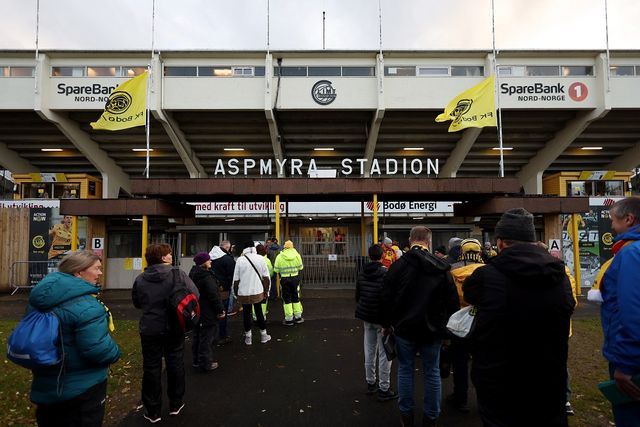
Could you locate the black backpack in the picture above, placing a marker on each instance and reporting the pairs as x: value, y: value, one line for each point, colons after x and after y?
x: 184, y: 310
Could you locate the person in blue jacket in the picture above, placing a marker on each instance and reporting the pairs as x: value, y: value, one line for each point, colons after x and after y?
x: 76, y: 395
x: 620, y: 309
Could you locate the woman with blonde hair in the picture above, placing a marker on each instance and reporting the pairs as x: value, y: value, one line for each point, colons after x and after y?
x: 75, y: 395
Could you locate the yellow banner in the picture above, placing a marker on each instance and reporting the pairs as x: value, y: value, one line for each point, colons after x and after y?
x: 474, y: 107
x: 596, y: 175
x: 126, y: 107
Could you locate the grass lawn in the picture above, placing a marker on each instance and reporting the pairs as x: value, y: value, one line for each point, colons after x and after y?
x: 586, y: 365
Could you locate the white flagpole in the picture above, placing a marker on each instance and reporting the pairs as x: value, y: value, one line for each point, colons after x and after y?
x: 35, y: 69
x: 495, y: 89
x: 606, y: 26
x: 149, y: 83
x: 268, y: 28
x: 380, y: 24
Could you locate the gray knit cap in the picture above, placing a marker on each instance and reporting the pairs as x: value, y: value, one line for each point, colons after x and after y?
x: 516, y: 224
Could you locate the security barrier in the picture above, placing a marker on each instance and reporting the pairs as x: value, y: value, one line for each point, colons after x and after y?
x: 26, y: 274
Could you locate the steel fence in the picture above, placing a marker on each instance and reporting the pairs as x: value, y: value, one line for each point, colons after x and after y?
x: 26, y: 274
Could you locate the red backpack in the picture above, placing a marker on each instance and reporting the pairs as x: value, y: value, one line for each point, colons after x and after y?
x: 184, y: 309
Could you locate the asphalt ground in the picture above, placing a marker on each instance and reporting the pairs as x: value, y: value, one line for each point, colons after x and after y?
x: 310, y: 374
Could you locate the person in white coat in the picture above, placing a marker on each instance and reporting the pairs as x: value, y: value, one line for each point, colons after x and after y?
x: 251, y: 285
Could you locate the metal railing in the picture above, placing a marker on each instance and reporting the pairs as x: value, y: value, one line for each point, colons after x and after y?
x: 26, y: 274
x: 330, y: 264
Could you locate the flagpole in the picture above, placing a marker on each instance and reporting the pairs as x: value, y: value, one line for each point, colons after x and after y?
x: 495, y: 88
x: 35, y: 69
x: 149, y: 83
x: 268, y: 28
x: 606, y: 26
x: 380, y: 24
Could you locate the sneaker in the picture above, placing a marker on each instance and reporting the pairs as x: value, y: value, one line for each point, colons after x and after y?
x: 139, y: 406
x: 388, y: 394
x: 288, y: 322
x: 175, y: 411
x: 372, y: 388
x: 210, y: 367
x: 264, y: 338
x: 195, y: 365
x: 298, y: 320
x: 569, y: 409
x: 152, y: 418
x: 247, y: 338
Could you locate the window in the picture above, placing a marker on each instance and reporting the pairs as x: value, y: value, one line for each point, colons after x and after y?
x: 219, y: 71
x: 243, y: 71
x: 358, y: 71
x: 433, y: 71
x: 180, y: 71
x: 68, y: 71
x: 511, y: 71
x: 324, y: 71
x: 637, y: 70
x: 66, y: 191
x: 596, y: 188
x: 128, y: 71
x: 621, y: 70
x: 258, y: 71
x: 22, y: 71
x: 542, y: 70
x: 400, y: 71
x: 103, y: 71
x: 467, y: 71
x: 124, y: 244
x: 4, y: 71
x: 576, y: 70
x: 291, y: 71
x: 36, y: 190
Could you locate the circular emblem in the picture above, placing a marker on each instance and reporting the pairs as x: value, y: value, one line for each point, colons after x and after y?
x: 607, y: 239
x: 578, y: 91
x: 38, y: 242
x: 462, y: 107
x: 323, y: 93
x: 118, y: 102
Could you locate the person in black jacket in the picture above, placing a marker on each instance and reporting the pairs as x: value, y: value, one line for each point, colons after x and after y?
x: 520, y: 341
x: 159, y: 337
x: 419, y: 296
x: 369, y: 307
x: 211, y: 310
x: 223, y: 265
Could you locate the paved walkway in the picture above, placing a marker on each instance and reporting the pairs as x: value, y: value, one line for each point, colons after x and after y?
x: 308, y: 375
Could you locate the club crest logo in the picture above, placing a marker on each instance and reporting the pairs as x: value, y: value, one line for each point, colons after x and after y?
x: 118, y: 103
x: 462, y: 108
x: 323, y: 92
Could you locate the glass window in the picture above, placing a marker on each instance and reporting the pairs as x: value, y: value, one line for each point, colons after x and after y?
x: 511, y: 71
x: 180, y: 71
x: 22, y: 71
x: 243, y: 71
x: 200, y: 241
x: 66, y: 191
x: 399, y: 71
x: 324, y: 71
x: 467, y: 71
x: 68, y: 71
x: 4, y: 71
x: 291, y: 71
x: 258, y: 71
x: 543, y: 70
x: 577, y: 70
x: 36, y: 190
x: 124, y: 244
x: 128, y: 71
x: 614, y: 188
x: 219, y: 71
x: 576, y: 188
x: 433, y: 71
x: 637, y: 70
x: 358, y: 71
x: 621, y: 70
x: 102, y: 71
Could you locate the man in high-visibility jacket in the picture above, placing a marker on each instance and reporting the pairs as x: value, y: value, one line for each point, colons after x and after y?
x: 288, y: 264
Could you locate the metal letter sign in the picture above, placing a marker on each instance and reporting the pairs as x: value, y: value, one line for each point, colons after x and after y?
x: 323, y: 93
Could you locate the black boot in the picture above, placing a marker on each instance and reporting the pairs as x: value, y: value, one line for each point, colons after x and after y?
x: 429, y: 422
x: 406, y: 419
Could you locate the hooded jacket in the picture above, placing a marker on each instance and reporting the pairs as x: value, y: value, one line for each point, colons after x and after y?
x: 250, y: 287
x: 620, y: 308
x: 419, y: 296
x: 369, y: 292
x: 520, y: 341
x: 210, y: 303
x: 150, y: 291
x: 222, y: 265
x: 88, y: 347
x: 460, y: 271
x: 288, y: 263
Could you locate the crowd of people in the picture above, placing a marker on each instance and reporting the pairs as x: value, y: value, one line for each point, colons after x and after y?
x: 517, y: 348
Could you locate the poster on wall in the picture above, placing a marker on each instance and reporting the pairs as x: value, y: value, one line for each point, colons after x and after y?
x: 594, y: 242
x: 50, y: 240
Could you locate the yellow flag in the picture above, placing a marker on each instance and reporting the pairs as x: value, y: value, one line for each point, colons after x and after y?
x: 126, y: 107
x: 473, y: 108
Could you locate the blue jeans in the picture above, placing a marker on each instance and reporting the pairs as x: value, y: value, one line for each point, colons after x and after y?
x: 625, y: 415
x: 430, y: 355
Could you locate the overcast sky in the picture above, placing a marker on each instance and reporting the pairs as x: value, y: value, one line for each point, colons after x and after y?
x: 297, y: 24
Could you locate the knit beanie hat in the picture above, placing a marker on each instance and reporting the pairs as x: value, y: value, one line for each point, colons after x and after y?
x: 201, y: 258
x: 516, y: 224
x: 288, y: 244
x: 387, y: 241
x: 470, y: 250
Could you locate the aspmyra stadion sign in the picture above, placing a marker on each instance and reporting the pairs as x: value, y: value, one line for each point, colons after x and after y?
x: 348, y: 166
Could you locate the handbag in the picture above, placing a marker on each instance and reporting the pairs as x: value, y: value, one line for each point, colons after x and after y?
x: 266, y: 282
x: 389, y: 346
x: 462, y: 322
